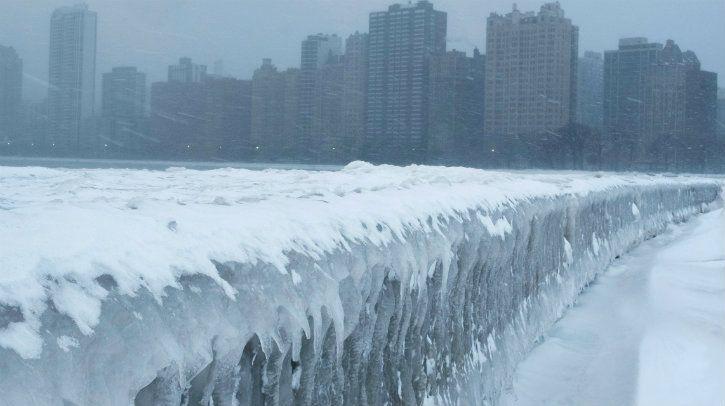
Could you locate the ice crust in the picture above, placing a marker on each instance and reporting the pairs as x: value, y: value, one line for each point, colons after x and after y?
x: 369, y: 285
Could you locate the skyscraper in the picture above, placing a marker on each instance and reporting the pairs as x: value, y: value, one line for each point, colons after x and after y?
x: 317, y: 50
x: 268, y: 89
x: 202, y: 120
x: 456, y: 107
x: 660, y: 107
x: 123, y: 103
x: 72, y: 75
x: 187, y: 72
x: 402, y: 41
x: 354, y: 89
x: 228, y: 118
x: 590, y: 90
x: 721, y: 113
x: 11, y: 82
x: 329, y: 141
x: 625, y: 92
x: 531, y: 72
x: 681, y: 111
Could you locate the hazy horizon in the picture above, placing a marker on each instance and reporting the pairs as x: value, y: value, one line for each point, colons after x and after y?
x: 153, y: 35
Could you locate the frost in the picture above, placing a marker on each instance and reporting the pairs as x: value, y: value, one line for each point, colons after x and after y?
x: 66, y: 343
x: 306, y: 278
x: 296, y: 278
x: 568, y: 252
x: 500, y: 228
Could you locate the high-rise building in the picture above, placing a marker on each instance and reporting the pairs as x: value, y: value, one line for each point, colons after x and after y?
x: 123, y: 105
x: 72, y: 76
x: 317, y: 50
x: 274, y: 112
x: 354, y: 89
x: 721, y: 113
x: 187, y: 72
x: 531, y: 72
x: 11, y: 87
x: 681, y: 111
x: 625, y: 92
x: 402, y: 41
x: 290, y: 113
x: 268, y: 121
x: 202, y: 120
x: 457, y: 106
x: 177, y: 118
x: 660, y: 108
x: 329, y: 143
x: 228, y: 118
x: 590, y: 90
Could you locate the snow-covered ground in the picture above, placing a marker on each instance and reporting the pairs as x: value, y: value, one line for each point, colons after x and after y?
x: 372, y: 284
x: 649, y: 331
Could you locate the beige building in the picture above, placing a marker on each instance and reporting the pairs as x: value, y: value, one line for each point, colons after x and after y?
x: 531, y: 71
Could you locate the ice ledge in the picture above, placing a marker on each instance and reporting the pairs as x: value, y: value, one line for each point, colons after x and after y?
x: 411, y: 283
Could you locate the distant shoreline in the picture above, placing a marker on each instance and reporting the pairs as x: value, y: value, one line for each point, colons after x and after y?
x: 96, y: 163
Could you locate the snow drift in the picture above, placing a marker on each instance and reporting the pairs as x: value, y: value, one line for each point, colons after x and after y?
x: 370, y: 285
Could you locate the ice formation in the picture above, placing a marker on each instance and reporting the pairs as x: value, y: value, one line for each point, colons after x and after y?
x: 369, y: 285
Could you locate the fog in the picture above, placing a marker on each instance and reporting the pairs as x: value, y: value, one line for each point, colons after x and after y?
x: 154, y: 34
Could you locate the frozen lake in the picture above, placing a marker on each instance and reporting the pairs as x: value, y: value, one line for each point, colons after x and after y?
x: 82, y: 163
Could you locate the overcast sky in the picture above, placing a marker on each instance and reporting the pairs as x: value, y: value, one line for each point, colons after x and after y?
x: 151, y: 34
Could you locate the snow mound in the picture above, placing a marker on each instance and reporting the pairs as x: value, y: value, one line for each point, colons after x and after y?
x: 187, y: 282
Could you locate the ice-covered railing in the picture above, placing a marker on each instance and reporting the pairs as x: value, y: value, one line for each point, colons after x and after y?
x: 369, y: 285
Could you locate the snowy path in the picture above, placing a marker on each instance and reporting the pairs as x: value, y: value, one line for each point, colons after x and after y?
x: 649, y: 331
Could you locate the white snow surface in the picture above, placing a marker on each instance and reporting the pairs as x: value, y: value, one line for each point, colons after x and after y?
x: 60, y: 229
x: 650, y: 330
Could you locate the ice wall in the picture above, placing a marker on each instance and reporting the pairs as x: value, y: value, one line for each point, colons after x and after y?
x: 432, y: 300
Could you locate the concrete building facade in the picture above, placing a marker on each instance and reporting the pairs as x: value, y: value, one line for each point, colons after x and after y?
x: 317, y: 51
x: 457, y: 106
x: 660, y: 107
x: 531, y: 72
x: 402, y: 41
x: 590, y: 90
x: 354, y: 92
x: 123, y: 106
x: 72, y: 77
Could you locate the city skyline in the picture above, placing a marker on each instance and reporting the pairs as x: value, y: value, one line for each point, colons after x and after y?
x: 133, y: 34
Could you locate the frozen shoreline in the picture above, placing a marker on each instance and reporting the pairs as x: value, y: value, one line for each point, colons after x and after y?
x: 181, y: 268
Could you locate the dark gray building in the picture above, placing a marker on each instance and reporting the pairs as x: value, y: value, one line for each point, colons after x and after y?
x: 329, y: 141
x: 590, y: 90
x: 681, y: 111
x: 456, y: 108
x: 274, y: 112
x: 625, y: 93
x: 123, y: 106
x: 228, y: 118
x: 721, y: 114
x: 317, y: 51
x: 202, y: 120
x: 268, y: 119
x: 402, y: 41
x: 660, y: 108
x: 355, y: 79
x: 11, y: 88
x: 72, y: 78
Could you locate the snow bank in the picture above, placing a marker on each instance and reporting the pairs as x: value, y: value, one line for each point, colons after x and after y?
x: 373, y: 284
